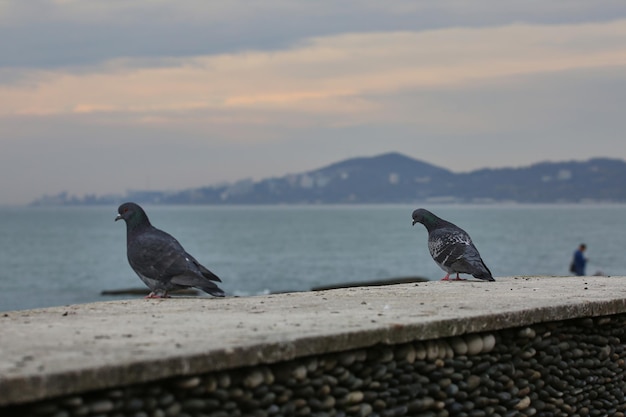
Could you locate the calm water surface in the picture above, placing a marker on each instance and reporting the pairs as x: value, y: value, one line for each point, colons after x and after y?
x: 58, y: 256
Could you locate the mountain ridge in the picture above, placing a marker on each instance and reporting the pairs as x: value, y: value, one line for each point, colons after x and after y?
x: 396, y: 178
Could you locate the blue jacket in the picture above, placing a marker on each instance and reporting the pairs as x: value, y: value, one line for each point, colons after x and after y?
x: 580, y: 262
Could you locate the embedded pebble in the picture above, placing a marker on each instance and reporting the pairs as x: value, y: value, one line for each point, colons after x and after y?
x: 420, y: 351
x: 189, y: 382
x: 527, y: 333
x: 442, y: 349
x: 432, y: 350
x: 459, y: 346
x: 489, y: 342
x: 347, y: 359
x: 474, y: 344
x: 406, y: 353
x: 224, y: 380
x: 355, y: 397
x: 386, y: 355
x: 299, y: 372
x: 254, y: 379
x: 523, y: 404
x: 103, y: 406
x: 572, y: 367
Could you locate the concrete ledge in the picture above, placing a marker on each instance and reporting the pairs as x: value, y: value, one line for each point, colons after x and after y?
x: 65, y: 350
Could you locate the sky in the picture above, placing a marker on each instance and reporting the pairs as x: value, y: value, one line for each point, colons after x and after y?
x: 105, y: 96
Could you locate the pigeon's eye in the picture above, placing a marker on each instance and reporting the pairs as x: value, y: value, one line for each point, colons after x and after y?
x: 125, y: 209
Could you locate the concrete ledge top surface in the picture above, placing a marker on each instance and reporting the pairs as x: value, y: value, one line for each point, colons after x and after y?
x: 63, y: 350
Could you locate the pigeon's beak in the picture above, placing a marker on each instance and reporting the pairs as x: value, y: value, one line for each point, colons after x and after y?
x: 118, y: 217
x: 414, y: 221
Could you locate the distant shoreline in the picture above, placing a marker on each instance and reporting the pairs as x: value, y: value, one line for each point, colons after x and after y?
x: 394, y: 178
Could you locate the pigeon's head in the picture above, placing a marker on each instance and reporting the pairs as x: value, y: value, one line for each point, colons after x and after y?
x: 132, y: 214
x: 425, y: 217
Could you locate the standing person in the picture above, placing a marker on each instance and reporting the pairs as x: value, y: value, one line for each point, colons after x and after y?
x: 580, y: 261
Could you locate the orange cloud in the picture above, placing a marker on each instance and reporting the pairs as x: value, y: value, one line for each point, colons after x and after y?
x: 331, y: 75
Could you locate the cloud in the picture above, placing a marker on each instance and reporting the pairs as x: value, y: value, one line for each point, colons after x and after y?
x: 77, y: 33
x: 337, y: 75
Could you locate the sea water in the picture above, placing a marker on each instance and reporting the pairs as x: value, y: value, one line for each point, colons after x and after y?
x: 66, y: 255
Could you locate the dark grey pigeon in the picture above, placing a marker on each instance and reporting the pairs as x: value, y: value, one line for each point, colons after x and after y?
x: 158, y: 258
x: 451, y: 247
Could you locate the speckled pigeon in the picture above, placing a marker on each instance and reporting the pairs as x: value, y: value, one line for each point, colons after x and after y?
x: 451, y: 247
x: 158, y: 258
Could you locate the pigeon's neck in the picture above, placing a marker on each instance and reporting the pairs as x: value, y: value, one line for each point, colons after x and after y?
x: 435, y: 223
x: 137, y: 225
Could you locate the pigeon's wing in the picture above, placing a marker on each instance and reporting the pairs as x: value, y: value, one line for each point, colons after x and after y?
x: 150, y: 254
x: 448, y: 246
x: 476, y: 264
x: 157, y: 255
x: 198, y: 276
x: 202, y: 269
x: 472, y: 263
x: 453, y: 248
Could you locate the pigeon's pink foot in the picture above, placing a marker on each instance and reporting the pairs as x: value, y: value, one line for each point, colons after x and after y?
x: 446, y: 278
x: 153, y: 295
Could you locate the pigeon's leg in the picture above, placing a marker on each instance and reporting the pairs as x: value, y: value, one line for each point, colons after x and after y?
x: 458, y: 278
x: 446, y: 278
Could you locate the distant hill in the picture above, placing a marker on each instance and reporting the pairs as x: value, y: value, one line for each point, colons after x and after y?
x: 396, y: 178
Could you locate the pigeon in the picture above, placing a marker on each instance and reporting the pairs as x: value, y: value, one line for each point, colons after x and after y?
x: 451, y: 247
x: 159, y: 260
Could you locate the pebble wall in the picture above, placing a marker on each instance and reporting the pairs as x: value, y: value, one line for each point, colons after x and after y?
x: 568, y: 368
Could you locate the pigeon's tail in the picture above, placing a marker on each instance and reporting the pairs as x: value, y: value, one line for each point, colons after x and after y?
x: 215, y: 291
x: 198, y: 281
x: 205, y: 272
x: 484, y: 274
